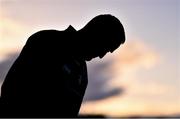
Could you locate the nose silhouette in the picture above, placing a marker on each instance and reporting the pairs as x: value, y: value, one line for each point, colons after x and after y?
x: 102, y: 55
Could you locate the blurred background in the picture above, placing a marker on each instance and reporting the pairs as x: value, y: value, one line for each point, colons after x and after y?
x: 141, y: 78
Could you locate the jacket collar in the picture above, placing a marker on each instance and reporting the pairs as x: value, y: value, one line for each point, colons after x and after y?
x: 70, y: 29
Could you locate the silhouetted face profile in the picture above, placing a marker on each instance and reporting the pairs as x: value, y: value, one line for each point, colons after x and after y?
x: 102, y: 34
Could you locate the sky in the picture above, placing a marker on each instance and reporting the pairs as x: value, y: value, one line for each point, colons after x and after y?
x: 140, y: 78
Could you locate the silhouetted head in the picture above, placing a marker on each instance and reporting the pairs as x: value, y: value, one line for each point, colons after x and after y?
x: 102, y: 34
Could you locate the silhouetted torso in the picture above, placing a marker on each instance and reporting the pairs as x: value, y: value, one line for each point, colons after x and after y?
x: 46, y: 79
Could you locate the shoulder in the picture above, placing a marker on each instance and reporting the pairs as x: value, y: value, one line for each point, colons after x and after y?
x: 45, y: 33
x: 44, y: 36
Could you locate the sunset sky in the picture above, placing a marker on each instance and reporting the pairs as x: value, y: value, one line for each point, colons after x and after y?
x: 140, y: 78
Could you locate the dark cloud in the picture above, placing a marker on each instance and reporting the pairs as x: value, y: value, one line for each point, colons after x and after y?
x: 97, y: 83
x: 6, y: 64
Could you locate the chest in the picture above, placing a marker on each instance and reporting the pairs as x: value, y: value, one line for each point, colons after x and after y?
x: 75, y: 74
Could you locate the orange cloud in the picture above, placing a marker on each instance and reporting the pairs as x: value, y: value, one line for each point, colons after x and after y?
x: 12, y: 36
x: 135, y: 53
x: 124, y: 106
x: 129, y: 59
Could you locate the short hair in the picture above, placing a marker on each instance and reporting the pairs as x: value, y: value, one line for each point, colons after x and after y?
x: 108, y: 29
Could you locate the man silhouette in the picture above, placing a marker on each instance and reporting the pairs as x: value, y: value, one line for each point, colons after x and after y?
x: 49, y: 78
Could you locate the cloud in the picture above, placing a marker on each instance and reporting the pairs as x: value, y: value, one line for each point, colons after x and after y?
x: 136, y: 54
x: 10, y: 27
x: 122, y: 72
x: 124, y: 106
x: 108, y: 76
x: 97, y: 82
x: 5, y: 66
x: 129, y: 59
x: 13, y: 36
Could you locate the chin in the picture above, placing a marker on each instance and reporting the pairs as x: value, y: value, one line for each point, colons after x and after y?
x: 88, y: 59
